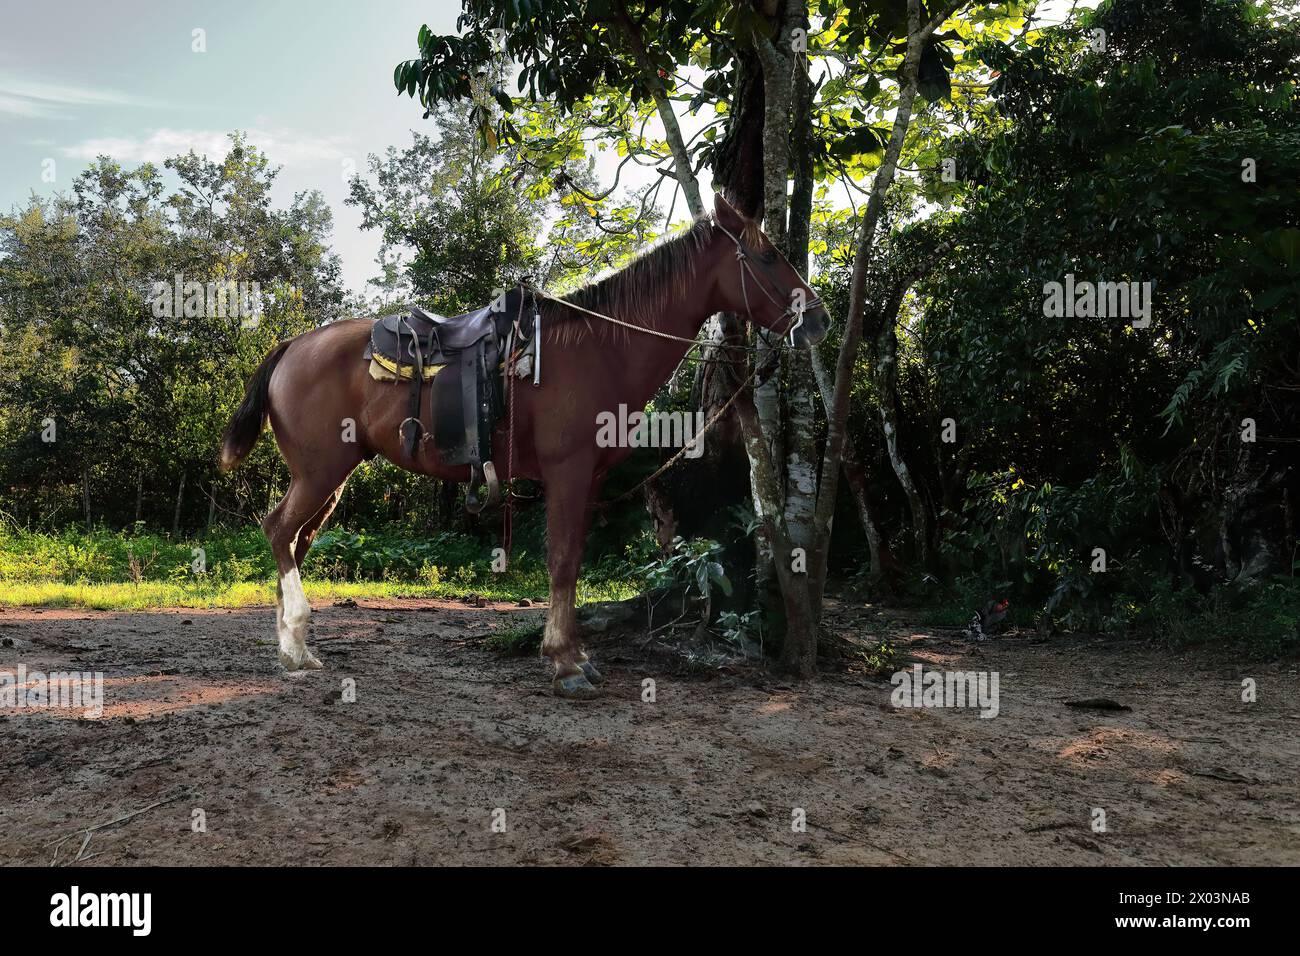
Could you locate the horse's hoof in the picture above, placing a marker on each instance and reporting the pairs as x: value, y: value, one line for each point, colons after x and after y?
x: 574, y: 687
x: 306, y: 660
x: 593, y: 675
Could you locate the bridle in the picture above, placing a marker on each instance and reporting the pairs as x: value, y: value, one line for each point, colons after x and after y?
x: 791, y: 313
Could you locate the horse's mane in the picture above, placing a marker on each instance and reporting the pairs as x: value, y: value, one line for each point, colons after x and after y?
x: 638, y: 291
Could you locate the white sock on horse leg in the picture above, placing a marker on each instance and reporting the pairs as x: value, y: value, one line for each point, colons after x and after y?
x: 295, y: 613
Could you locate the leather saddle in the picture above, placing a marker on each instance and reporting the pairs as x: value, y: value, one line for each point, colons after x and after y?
x: 438, y: 336
x: 460, y: 356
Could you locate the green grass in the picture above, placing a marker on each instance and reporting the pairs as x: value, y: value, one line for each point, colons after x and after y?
x: 117, y: 571
x: 157, y: 594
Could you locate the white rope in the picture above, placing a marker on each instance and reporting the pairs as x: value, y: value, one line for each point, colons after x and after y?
x: 795, y: 316
x: 610, y: 318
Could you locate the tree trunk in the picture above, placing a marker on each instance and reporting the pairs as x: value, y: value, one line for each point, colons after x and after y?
x: 886, y: 376
x: 702, y: 503
x: 139, y: 494
x: 738, y: 166
x: 855, y: 472
x: 768, y: 484
x: 838, y: 413
x: 180, y: 498
x: 801, y: 404
x: 799, y: 648
x: 85, y: 493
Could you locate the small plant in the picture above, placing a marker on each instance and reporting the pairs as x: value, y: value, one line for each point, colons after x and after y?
x: 138, y: 567
x: 517, y: 641
x: 744, y: 631
x: 692, y: 564
x: 883, y: 658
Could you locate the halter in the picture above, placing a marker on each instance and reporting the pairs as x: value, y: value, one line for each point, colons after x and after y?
x: 793, y: 315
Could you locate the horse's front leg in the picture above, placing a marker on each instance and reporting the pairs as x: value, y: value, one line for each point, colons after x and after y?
x: 568, y: 490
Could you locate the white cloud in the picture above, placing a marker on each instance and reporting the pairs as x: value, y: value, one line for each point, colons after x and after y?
x: 34, y: 98
x: 282, y: 147
x: 17, y: 106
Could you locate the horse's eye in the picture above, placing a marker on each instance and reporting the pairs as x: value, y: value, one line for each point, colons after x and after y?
x: 767, y: 256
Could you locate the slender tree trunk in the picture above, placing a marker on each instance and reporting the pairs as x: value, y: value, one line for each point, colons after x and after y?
x: 85, y: 493
x: 139, y: 494
x: 180, y: 498
x: 855, y: 473
x: 917, y: 35
x: 672, y: 128
x: 886, y: 376
x: 768, y: 484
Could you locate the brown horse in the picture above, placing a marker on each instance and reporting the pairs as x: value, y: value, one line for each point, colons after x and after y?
x: 311, y: 386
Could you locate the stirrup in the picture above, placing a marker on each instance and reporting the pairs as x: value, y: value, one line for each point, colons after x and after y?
x: 472, y: 503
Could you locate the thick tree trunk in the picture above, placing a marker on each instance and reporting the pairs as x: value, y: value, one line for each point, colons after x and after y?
x: 801, y: 402
x: 703, y: 495
x: 783, y: 496
x: 738, y: 166
x: 799, y: 648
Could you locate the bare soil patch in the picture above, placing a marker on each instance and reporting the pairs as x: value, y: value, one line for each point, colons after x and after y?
x: 443, y: 732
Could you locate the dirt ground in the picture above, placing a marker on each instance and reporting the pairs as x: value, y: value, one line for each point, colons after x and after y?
x: 446, y: 738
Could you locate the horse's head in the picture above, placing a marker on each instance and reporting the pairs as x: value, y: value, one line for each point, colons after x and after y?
x: 762, y: 284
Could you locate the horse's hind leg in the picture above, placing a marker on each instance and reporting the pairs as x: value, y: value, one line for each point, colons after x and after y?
x: 306, y: 501
x: 308, y: 532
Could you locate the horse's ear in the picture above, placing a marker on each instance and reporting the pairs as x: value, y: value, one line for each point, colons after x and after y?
x: 726, y: 214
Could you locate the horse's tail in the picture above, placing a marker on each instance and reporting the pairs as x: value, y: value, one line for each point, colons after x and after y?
x: 246, y: 424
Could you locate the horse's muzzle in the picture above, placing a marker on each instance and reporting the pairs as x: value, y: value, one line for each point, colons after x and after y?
x: 813, y: 329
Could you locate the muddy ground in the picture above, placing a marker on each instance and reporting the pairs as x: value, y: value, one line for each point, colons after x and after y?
x: 445, y: 733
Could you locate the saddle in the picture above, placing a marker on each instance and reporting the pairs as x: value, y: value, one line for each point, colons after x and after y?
x: 461, y: 357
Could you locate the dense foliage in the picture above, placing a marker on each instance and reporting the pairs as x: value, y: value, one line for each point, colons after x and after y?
x: 1172, y: 158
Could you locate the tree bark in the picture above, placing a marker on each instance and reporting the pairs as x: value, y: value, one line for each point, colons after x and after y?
x: 724, y: 468
x: 801, y: 402
x: 738, y: 166
x: 769, y: 486
x: 799, y: 649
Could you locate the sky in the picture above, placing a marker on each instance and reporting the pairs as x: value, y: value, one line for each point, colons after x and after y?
x: 309, y: 82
